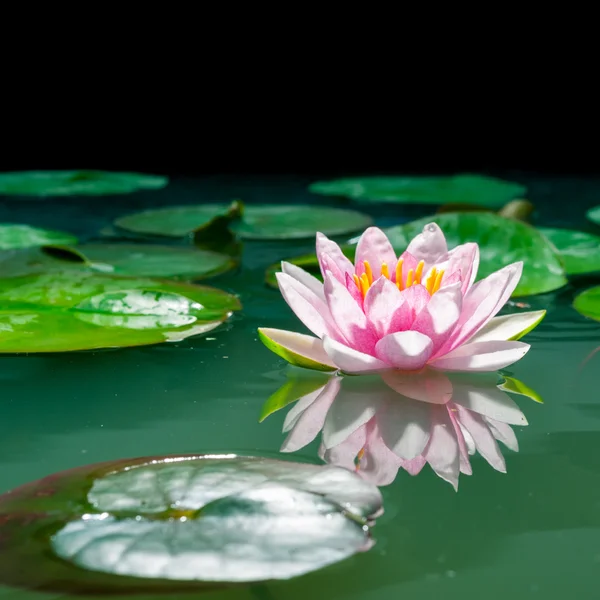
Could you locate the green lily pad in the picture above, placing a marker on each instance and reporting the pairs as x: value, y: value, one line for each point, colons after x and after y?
x: 594, y: 215
x: 76, y: 183
x: 501, y: 242
x: 139, y: 260
x: 588, y: 303
x: 182, y: 523
x: 457, y: 189
x: 580, y: 251
x: 25, y: 236
x: 65, y: 311
x: 267, y: 221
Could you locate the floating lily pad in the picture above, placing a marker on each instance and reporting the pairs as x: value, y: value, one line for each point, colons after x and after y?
x: 180, y: 522
x: 501, y: 242
x: 594, y: 214
x: 588, y: 303
x: 76, y: 183
x: 25, y: 236
x: 140, y: 260
x: 580, y: 251
x: 257, y: 222
x: 64, y: 311
x: 457, y: 189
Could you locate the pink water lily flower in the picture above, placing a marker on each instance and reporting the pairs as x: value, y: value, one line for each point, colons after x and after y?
x: 388, y: 312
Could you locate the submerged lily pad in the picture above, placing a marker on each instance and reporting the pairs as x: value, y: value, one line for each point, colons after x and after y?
x: 76, y: 183
x: 65, y: 311
x: 173, y: 523
x: 267, y: 221
x: 501, y: 242
x: 140, y: 260
x: 588, y: 303
x: 580, y: 251
x: 25, y: 236
x: 457, y: 189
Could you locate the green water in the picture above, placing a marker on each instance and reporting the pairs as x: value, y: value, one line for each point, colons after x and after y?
x: 531, y: 533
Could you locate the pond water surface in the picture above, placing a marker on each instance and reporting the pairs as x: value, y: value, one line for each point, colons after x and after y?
x: 533, y: 532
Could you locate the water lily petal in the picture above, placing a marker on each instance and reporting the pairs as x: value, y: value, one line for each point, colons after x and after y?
x: 298, y: 349
x: 386, y: 308
x: 311, y: 421
x: 464, y: 261
x: 331, y: 258
x: 427, y: 385
x: 429, y: 246
x: 354, y: 291
x: 481, y: 356
x: 414, y: 466
x: 503, y: 432
x: 378, y: 464
x: 417, y: 298
x: 349, y: 316
x: 374, y: 247
x: 352, y: 361
x: 484, y: 440
x: 509, y: 327
x: 344, y: 454
x: 301, y: 276
x: 442, y: 450
x: 483, y: 301
x: 461, y: 438
x: 405, y: 350
x: 441, y: 314
x: 297, y: 410
x: 309, y: 308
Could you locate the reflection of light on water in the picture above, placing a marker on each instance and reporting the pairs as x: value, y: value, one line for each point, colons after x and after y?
x: 137, y: 322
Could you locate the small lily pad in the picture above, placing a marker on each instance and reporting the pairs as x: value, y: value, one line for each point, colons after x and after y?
x: 25, y: 236
x: 140, y: 260
x: 501, y: 242
x: 76, y: 183
x: 180, y: 522
x: 65, y: 311
x: 588, y: 303
x: 580, y: 251
x: 594, y: 215
x: 457, y: 189
x: 267, y: 221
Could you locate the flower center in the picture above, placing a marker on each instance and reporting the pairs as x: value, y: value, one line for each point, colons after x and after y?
x: 413, y: 277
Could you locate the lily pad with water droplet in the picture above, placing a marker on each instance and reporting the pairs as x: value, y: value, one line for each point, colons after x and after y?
x: 168, y: 524
x: 579, y: 251
x: 588, y: 303
x: 463, y: 189
x: 66, y: 311
x: 77, y: 183
x: 264, y: 222
x: 25, y: 236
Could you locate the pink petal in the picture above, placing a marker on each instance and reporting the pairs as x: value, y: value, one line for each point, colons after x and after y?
x: 439, y: 317
x: 464, y: 261
x: 427, y: 385
x: 311, y: 422
x: 408, y: 262
x: 481, y: 356
x: 442, y: 450
x: 417, y: 298
x: 345, y: 453
x: 405, y: 350
x: 352, y: 361
x: 329, y: 252
x: 309, y: 308
x: 429, y: 246
x: 414, y: 466
x: 464, y: 462
x: 484, y: 440
x: 503, y: 432
x: 354, y: 292
x: 379, y: 464
x: 306, y: 279
x: 386, y: 309
x: 349, y: 316
x: 482, y: 303
x: 374, y: 247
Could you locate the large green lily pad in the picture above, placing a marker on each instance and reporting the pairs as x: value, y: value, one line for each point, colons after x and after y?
x: 594, y: 214
x: 140, y: 260
x: 588, y: 303
x: 579, y: 251
x: 65, y: 311
x: 182, y: 522
x: 267, y: 221
x: 457, y: 189
x: 501, y: 242
x: 25, y: 236
x: 76, y: 183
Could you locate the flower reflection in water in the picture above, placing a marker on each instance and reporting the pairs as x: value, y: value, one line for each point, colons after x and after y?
x: 377, y: 425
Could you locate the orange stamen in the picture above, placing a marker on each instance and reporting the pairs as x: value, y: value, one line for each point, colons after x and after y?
x: 385, y: 271
x: 419, y: 271
x: 399, y: 274
x: 431, y: 280
x: 356, y: 281
x: 369, y: 272
x: 409, y: 278
x: 364, y: 284
x: 438, y: 282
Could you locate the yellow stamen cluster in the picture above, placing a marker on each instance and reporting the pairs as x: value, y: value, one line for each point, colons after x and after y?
x: 413, y: 277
